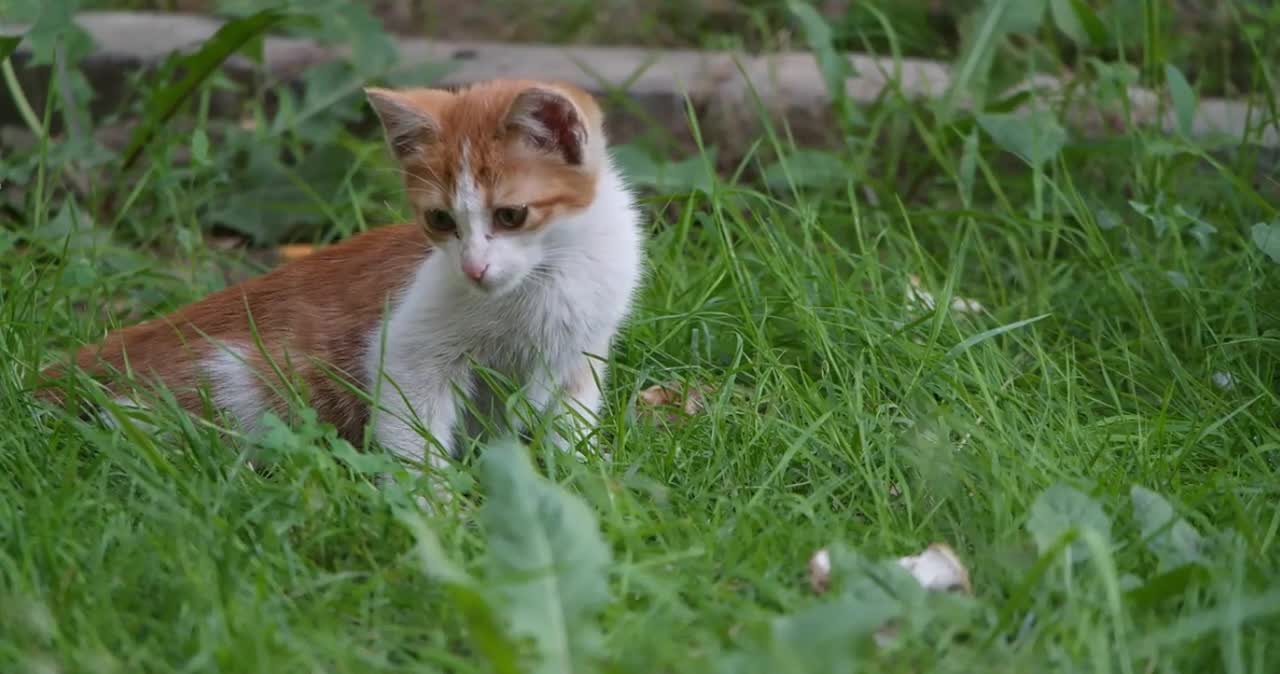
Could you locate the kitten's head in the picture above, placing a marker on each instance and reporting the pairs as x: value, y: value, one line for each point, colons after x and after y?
x: 492, y: 169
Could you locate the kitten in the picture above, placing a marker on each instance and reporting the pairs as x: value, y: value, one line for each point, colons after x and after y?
x: 523, y: 262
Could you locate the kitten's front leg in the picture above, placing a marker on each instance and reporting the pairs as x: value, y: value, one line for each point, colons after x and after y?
x: 574, y: 405
x: 419, y: 403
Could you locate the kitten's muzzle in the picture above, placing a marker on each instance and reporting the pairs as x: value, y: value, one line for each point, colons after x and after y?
x: 475, y: 270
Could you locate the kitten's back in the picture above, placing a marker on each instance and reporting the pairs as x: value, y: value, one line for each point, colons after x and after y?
x: 320, y: 307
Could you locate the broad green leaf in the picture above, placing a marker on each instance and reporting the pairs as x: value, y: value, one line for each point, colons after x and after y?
x: 835, y: 66
x: 1060, y: 509
x: 996, y: 19
x: 1022, y: 17
x: 1165, y: 585
x: 465, y: 593
x: 1093, y: 26
x: 1173, y: 541
x: 1068, y: 21
x: 1036, y: 137
x: 1184, y: 98
x: 1266, y: 236
x: 865, y: 596
x: 807, y: 168
x: 548, y: 563
x: 363, y: 463
x: 1196, y: 226
x: 1177, y: 220
x: 8, y: 43
x: 692, y: 173
x: 339, y: 22
x: 871, y: 581
x: 55, y: 28
x: 431, y: 555
x: 200, y: 147
x: 827, y: 636
x: 197, y: 67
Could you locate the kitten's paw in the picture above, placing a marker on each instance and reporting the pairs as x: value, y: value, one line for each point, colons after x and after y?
x: 590, y: 446
x: 438, y: 495
x: 580, y: 441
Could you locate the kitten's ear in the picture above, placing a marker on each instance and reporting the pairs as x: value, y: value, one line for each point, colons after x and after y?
x: 407, y: 126
x: 549, y: 122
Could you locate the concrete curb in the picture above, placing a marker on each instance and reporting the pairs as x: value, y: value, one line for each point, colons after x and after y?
x: 719, y: 85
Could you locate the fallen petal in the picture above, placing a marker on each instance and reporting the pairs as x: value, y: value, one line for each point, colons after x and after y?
x: 938, y: 568
x: 916, y: 294
x: 691, y: 398
x: 820, y: 571
x: 1224, y: 380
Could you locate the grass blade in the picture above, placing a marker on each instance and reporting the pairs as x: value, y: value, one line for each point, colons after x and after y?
x: 977, y: 57
x: 8, y: 43
x: 198, y: 67
x: 988, y: 334
x: 1184, y: 98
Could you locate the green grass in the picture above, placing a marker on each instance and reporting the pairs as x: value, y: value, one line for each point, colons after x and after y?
x: 840, y: 415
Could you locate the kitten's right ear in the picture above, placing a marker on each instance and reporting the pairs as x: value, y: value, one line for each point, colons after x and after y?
x: 407, y: 126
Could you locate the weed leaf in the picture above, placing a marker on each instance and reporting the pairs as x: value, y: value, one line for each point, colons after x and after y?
x: 1079, y: 22
x: 835, y: 67
x: 8, y: 43
x: 55, y: 28
x: 1267, y: 237
x: 1022, y: 17
x: 807, y: 168
x: 464, y: 592
x: 1036, y: 137
x: 687, y: 175
x: 1093, y: 26
x: 1061, y: 509
x: 197, y: 67
x: 1184, y: 98
x: 826, y: 637
x: 1068, y: 21
x: 997, y: 18
x: 548, y: 562
x: 1173, y: 541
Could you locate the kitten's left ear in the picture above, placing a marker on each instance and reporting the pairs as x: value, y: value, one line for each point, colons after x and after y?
x: 407, y: 126
x: 550, y: 122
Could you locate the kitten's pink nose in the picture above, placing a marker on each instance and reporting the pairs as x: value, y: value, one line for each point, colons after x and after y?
x: 474, y: 270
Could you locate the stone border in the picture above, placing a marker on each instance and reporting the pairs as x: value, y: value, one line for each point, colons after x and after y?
x: 719, y: 85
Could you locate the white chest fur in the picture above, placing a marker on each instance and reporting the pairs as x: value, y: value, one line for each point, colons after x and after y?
x: 549, y: 337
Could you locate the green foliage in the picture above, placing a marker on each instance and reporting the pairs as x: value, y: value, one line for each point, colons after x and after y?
x: 1127, y: 338
x: 547, y: 562
x: 8, y: 44
x: 1184, y: 99
x: 1173, y: 541
x: 196, y: 68
x: 1035, y: 137
x: 834, y: 65
x: 1267, y: 237
x: 1061, y: 510
x: 997, y: 19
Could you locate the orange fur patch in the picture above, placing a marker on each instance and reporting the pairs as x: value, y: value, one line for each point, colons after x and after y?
x: 313, y: 315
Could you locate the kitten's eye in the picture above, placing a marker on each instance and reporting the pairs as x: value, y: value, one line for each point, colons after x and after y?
x: 441, y: 220
x: 510, y: 217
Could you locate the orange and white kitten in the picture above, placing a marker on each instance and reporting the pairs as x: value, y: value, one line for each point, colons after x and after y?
x: 523, y: 260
